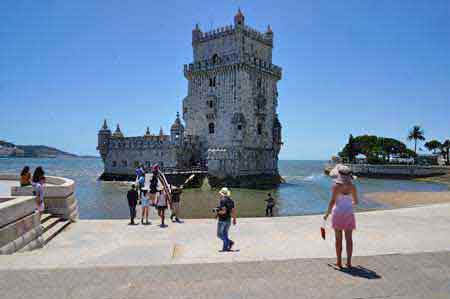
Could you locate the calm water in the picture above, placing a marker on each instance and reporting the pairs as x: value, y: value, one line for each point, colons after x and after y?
x: 307, y: 189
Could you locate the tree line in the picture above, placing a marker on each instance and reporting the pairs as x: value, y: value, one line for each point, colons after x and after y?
x: 382, y: 149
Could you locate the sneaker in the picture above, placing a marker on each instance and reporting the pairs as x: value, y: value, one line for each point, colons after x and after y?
x: 231, y: 245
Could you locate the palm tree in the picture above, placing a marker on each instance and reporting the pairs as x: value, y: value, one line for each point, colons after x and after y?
x: 416, y: 134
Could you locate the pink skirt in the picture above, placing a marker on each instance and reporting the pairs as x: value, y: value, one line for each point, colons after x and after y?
x: 343, y: 221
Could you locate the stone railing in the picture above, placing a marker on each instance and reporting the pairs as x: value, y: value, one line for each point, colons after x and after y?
x: 59, y: 195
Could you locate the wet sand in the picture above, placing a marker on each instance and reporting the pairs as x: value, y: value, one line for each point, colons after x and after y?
x: 443, y: 179
x: 408, y: 199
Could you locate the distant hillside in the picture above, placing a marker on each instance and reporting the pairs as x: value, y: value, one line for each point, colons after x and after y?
x: 42, y: 151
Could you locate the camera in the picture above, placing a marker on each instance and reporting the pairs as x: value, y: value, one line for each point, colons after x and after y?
x: 215, y: 210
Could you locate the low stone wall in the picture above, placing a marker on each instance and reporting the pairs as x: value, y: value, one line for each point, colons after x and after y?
x: 58, y: 195
x: 20, y: 226
x: 397, y: 171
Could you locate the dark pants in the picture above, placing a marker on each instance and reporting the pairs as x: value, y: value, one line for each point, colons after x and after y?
x: 222, y: 233
x: 269, y: 210
x: 132, y: 213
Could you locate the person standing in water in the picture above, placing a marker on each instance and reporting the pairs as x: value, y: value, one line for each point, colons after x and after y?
x: 270, y: 204
x: 344, y: 197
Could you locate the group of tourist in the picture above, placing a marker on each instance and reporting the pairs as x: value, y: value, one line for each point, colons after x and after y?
x: 37, y: 181
x: 344, y: 197
x: 155, y: 196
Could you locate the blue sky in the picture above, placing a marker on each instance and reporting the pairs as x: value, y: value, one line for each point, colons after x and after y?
x: 360, y: 67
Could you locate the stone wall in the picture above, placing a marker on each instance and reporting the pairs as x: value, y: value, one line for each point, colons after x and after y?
x: 20, y: 225
x: 59, y: 196
x: 396, y: 171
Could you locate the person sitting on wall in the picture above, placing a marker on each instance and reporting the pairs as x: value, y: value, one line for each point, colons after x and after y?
x: 25, y: 177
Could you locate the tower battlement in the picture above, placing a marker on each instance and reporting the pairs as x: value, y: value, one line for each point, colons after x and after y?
x: 232, y: 59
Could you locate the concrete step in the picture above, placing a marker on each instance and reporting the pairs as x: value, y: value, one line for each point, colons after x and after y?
x: 48, y: 223
x: 57, y: 225
x: 45, y: 217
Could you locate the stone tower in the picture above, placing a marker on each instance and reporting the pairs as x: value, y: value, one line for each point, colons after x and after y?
x: 104, y: 135
x: 232, y: 100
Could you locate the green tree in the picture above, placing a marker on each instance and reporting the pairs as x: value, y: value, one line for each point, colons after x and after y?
x: 415, y: 134
x: 433, y: 146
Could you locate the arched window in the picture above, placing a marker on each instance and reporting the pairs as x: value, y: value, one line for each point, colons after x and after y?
x: 259, y: 129
x: 212, y: 82
x: 215, y: 58
x: 211, y: 128
x: 258, y: 83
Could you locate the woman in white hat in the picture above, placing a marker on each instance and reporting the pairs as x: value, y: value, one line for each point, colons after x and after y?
x: 344, y: 197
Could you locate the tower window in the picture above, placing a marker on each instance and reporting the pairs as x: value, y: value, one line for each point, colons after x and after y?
x: 215, y: 58
x: 211, y: 128
x: 259, y: 127
x: 239, y: 127
x: 258, y: 83
x: 212, y: 82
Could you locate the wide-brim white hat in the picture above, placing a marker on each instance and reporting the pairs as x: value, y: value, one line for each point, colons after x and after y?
x: 225, y: 191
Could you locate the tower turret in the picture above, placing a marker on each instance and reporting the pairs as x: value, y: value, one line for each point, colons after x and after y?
x: 239, y: 18
x: 177, y: 130
x: 196, y: 34
x: 147, y: 132
x: 117, y: 132
x: 104, y: 135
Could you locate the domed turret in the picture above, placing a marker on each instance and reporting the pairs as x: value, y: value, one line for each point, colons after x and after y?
x: 117, y: 132
x: 147, y: 132
x: 177, y: 130
x: 104, y: 135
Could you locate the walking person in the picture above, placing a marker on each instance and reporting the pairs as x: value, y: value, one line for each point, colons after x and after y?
x: 344, y: 197
x: 132, y: 197
x: 162, y: 203
x: 225, y: 211
x: 176, y: 198
x: 270, y: 204
x: 145, y: 204
x: 25, y: 177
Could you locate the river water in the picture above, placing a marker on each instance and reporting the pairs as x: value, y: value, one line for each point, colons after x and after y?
x: 306, y: 191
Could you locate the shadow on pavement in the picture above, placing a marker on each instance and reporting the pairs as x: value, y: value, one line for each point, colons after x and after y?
x: 358, y: 271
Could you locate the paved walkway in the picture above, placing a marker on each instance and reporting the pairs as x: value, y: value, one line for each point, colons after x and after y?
x: 112, y: 243
x: 423, y: 275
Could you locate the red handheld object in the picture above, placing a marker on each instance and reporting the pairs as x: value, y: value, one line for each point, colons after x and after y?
x: 322, y: 232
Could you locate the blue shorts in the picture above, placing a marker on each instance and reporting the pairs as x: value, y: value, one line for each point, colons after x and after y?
x: 145, y: 202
